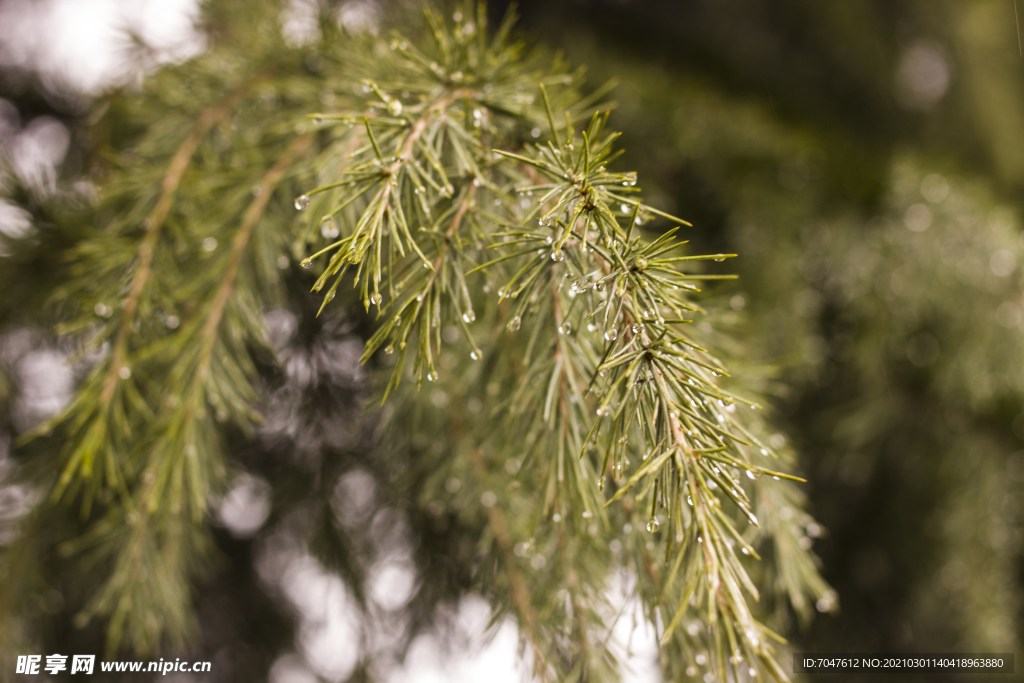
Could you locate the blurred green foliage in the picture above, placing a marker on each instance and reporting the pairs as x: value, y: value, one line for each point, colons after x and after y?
x: 879, y: 234
x: 866, y: 160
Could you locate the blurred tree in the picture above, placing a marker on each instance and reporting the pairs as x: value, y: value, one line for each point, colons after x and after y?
x: 862, y: 159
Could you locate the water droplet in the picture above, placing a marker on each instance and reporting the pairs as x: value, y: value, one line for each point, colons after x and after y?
x: 744, y: 551
x: 611, y: 334
x: 565, y: 328
x: 637, y: 328
x: 395, y: 108
x: 475, y: 355
x: 103, y: 311
x: 514, y: 324
x: 389, y: 349
x: 318, y: 119
x: 172, y: 322
x: 376, y: 298
x: 544, y: 221
x: 557, y: 255
x: 600, y: 484
x: 653, y: 525
x: 600, y: 411
x: 826, y: 602
x: 591, y: 327
x: 432, y: 375
x: 306, y: 262
x: 624, y: 208
x: 587, y: 514
x: 125, y: 372
x: 629, y: 178
x: 302, y: 202
x: 469, y: 316
x: 548, y: 239
x: 751, y: 475
x: 752, y: 637
x: 764, y: 451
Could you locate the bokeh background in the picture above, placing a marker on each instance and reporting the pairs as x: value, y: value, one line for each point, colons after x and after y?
x: 866, y: 161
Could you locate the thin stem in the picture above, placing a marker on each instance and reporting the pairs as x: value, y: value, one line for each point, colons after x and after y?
x: 168, y: 188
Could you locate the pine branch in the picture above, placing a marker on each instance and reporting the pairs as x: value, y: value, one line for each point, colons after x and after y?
x: 154, y: 223
x: 199, y: 372
x: 93, y: 420
x: 662, y: 381
x: 424, y: 186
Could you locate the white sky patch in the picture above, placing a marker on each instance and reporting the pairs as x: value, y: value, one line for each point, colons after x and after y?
x: 246, y: 506
x: 634, y: 641
x: 299, y: 22
x: 475, y: 659
x: 291, y: 668
x: 923, y: 76
x: 82, y: 46
x: 392, y: 583
x: 46, y: 382
x: 15, y: 222
x: 329, y: 623
x: 38, y: 150
x: 359, y: 15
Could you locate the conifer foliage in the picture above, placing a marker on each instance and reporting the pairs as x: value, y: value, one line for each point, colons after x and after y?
x: 456, y: 193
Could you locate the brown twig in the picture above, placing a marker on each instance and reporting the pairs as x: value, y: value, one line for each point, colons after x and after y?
x: 252, y: 215
x: 155, y: 221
